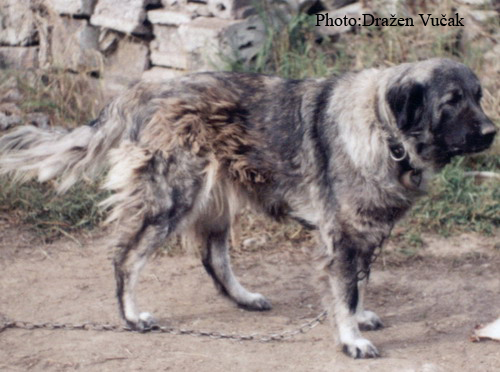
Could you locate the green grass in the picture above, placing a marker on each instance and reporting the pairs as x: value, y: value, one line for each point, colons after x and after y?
x: 457, y: 202
x: 48, y: 214
x: 69, y: 100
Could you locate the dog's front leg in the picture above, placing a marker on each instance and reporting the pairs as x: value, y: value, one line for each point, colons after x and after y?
x: 341, y: 268
x: 367, y: 320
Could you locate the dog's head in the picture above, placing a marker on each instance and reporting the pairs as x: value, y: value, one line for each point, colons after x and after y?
x: 436, y: 104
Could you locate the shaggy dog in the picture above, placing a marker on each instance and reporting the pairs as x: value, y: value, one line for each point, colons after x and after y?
x: 345, y: 156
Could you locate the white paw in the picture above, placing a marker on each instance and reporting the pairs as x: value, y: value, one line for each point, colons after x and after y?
x: 256, y: 302
x: 146, y: 318
x: 360, y: 348
x: 368, y: 321
x: 145, y: 322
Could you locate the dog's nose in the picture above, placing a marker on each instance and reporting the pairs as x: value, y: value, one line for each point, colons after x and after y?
x: 488, y: 129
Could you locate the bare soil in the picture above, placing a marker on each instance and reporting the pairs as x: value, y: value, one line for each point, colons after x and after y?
x: 430, y: 304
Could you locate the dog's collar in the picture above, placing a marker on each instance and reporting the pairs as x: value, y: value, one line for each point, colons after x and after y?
x: 398, y: 152
x: 410, y: 177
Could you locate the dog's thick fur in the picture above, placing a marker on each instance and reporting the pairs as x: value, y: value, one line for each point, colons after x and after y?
x: 346, y: 156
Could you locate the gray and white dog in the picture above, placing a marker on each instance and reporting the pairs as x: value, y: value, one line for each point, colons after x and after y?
x: 345, y: 156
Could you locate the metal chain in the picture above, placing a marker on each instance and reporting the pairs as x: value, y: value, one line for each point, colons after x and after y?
x: 363, y: 274
x: 91, y: 326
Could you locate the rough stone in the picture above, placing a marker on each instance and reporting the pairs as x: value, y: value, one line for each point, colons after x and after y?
x: 19, y: 57
x: 242, y: 40
x: 300, y: 5
x: 16, y: 23
x: 335, y: 4
x: 38, y: 119
x: 8, y: 121
x: 127, y: 16
x: 169, y: 17
x: 161, y: 74
x: 231, y: 9
x: 125, y: 65
x: 475, y: 2
x: 75, y: 45
x: 108, y: 40
x: 208, y: 41
x: 168, y: 49
x: 74, y: 7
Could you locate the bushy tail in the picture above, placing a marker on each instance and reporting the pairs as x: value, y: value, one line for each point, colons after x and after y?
x: 29, y: 152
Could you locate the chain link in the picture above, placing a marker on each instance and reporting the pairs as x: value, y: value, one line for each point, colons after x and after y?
x: 101, y: 327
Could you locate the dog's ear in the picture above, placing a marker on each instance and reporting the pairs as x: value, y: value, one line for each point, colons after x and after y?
x: 407, y: 101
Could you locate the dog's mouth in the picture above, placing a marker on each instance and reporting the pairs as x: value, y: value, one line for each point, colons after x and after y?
x: 470, y: 148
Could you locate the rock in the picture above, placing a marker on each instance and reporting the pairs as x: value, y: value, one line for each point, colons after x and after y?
x: 168, y: 49
x: 208, y: 41
x: 75, y: 45
x: 127, y: 16
x: 160, y: 74
x: 11, y: 95
x: 17, y: 23
x: 169, y: 17
x: 231, y: 9
x: 108, y: 41
x: 254, y: 242
x: 38, y: 119
x: 125, y: 65
x: 475, y: 2
x: 19, y: 57
x: 301, y: 5
x: 8, y: 121
x: 335, y: 4
x: 243, y: 39
x: 73, y: 7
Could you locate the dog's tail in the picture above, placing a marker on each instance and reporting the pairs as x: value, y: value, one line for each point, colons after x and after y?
x: 29, y: 152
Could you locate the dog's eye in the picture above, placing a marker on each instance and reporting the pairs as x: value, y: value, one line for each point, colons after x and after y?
x: 454, y: 98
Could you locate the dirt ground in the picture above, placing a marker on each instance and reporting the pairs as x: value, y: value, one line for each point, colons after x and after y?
x: 429, y: 304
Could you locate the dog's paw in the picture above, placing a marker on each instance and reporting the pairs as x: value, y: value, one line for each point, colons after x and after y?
x: 145, y: 323
x: 257, y: 303
x: 360, y: 348
x: 368, y: 321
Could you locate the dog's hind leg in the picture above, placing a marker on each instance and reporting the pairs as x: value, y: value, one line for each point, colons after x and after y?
x: 154, y: 193
x: 129, y: 261
x: 213, y: 234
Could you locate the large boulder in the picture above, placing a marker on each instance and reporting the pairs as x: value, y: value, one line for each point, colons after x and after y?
x: 125, y: 64
x: 18, y: 57
x: 127, y: 16
x: 73, y: 7
x: 75, y: 45
x: 17, y: 27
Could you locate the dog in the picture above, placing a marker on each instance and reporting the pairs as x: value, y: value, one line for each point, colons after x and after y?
x: 345, y: 156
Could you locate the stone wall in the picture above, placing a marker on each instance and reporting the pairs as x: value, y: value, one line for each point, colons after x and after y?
x: 123, y: 41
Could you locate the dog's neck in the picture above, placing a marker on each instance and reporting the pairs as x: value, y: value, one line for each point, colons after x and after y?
x: 409, y: 176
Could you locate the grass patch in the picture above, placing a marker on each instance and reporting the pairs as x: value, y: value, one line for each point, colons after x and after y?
x: 48, y: 214
x: 457, y: 202
x: 69, y: 100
